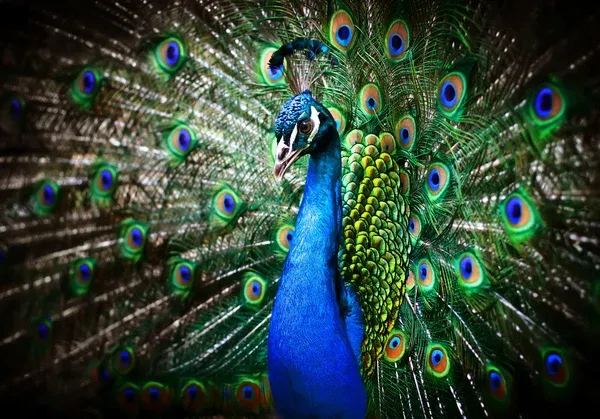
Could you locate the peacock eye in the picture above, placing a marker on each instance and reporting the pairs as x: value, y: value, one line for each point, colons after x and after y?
x: 305, y: 126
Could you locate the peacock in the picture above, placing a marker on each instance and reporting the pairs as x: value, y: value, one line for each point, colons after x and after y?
x: 299, y: 208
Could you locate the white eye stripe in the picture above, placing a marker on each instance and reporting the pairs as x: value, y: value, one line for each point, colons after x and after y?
x: 293, y: 136
x: 316, y: 122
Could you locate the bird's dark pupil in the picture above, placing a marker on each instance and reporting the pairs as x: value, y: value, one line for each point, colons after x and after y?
x: 247, y: 393
x: 546, y: 102
x: 396, y: 42
x: 435, y: 179
x: 48, y: 194
x: 154, y: 394
x: 344, y: 33
x: 449, y: 93
x: 192, y: 393
x: 371, y: 103
x: 106, y: 179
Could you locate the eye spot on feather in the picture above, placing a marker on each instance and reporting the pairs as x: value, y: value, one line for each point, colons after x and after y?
x: 85, y: 87
x: 270, y: 75
x: 451, y: 93
x: 248, y: 395
x: 469, y: 270
x: 339, y: 118
x: 438, y: 363
x: 521, y: 219
x: 370, y: 99
x: 169, y: 55
x: 397, y: 40
x: 556, y: 369
x: 45, y: 198
x: 255, y: 289
x: 179, y: 142
x: 123, y: 360
x: 181, y: 276
x: 395, y: 346
x: 414, y: 228
x: 155, y: 397
x: 82, y: 274
x: 285, y: 236
x: 41, y: 333
x: 437, y: 181
x: 496, y: 383
x: 426, y: 275
x: 387, y: 142
x: 410, y: 279
x: 341, y: 30
x: 354, y: 137
x: 133, y: 235
x: 226, y: 205
x: 128, y: 398
x: 193, y: 396
x: 404, y: 182
x: 548, y: 103
x: 103, y: 184
x: 405, y: 130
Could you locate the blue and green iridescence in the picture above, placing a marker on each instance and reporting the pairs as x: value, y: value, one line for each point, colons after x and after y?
x: 103, y: 183
x: 133, y: 235
x: 81, y: 276
x: 179, y: 142
x: 254, y: 289
x: 226, y: 206
x: 520, y: 217
x: 122, y: 360
x: 182, y: 274
x: 437, y: 360
x: 451, y: 95
x: 85, y: 87
x: 469, y: 271
x: 270, y: 75
x: 547, y: 109
x: 169, y: 55
x: 45, y: 197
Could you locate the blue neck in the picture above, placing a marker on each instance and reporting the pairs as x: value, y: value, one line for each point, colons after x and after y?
x: 312, y: 368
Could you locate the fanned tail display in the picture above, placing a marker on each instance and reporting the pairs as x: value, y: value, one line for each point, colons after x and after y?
x: 144, y: 238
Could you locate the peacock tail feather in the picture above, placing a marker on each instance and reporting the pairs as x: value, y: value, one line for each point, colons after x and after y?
x: 142, y: 233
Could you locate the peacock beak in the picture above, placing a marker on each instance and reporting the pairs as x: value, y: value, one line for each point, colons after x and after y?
x: 285, y: 158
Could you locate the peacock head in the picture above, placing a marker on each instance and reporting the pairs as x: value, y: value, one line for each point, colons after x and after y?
x: 302, y: 127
